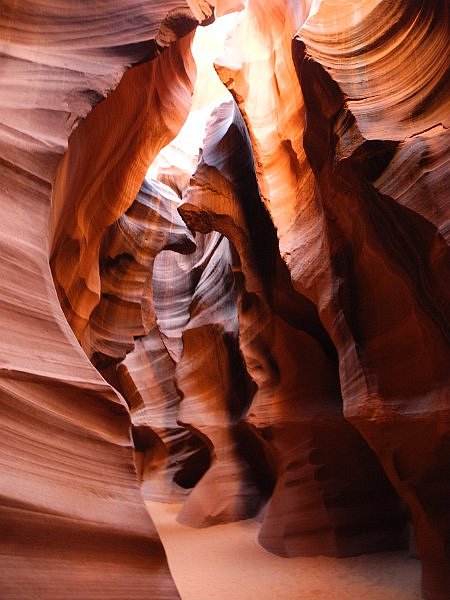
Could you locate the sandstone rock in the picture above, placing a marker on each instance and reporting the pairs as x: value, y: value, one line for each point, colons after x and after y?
x: 260, y: 319
x: 369, y: 130
x: 297, y: 404
x: 364, y: 237
x: 72, y: 518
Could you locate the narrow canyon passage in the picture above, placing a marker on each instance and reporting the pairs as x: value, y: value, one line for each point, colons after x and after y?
x: 224, y: 302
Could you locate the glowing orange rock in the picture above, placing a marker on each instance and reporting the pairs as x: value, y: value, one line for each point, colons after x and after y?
x: 272, y: 312
x: 72, y: 518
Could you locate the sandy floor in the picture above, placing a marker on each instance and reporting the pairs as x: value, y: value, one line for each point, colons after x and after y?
x: 226, y: 563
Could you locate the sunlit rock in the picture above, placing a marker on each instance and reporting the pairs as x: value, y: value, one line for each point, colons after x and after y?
x: 223, y: 284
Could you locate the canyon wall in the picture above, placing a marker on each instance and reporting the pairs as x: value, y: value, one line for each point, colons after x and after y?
x: 73, y: 522
x: 258, y: 327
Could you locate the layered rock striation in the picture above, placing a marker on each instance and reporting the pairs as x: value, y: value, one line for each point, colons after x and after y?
x: 378, y: 115
x: 72, y: 516
x: 260, y: 320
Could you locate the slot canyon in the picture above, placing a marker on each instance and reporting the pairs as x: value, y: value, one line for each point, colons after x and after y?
x: 224, y: 297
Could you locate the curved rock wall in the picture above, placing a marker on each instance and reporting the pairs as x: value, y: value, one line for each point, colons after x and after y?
x: 297, y: 405
x: 270, y: 309
x: 72, y: 516
x: 377, y: 141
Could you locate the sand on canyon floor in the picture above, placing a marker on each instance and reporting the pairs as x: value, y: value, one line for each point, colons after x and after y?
x: 225, y: 562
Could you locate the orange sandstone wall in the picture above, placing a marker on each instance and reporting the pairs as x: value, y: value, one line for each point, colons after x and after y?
x: 72, y: 519
x: 272, y: 317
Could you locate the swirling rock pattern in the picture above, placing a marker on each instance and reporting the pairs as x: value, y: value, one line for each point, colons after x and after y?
x: 72, y: 518
x: 129, y: 248
x: 367, y: 231
x: 377, y: 144
x: 297, y: 405
x: 269, y: 307
x: 86, y: 192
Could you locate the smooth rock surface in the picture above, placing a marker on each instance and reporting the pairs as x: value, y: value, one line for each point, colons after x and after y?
x: 72, y: 519
x: 223, y: 286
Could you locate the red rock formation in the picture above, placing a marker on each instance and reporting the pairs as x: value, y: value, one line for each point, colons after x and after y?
x: 126, y: 310
x: 375, y: 266
x: 367, y: 131
x: 271, y: 312
x: 72, y: 517
x: 92, y: 192
x: 297, y: 406
x: 215, y: 387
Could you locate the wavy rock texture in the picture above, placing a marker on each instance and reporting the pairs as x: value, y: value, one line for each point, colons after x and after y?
x: 129, y: 249
x: 269, y: 306
x: 126, y: 311
x: 93, y: 192
x: 215, y: 388
x: 146, y: 290
x: 260, y: 77
x: 362, y: 230
x: 297, y: 405
x: 72, y: 516
x: 378, y: 145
